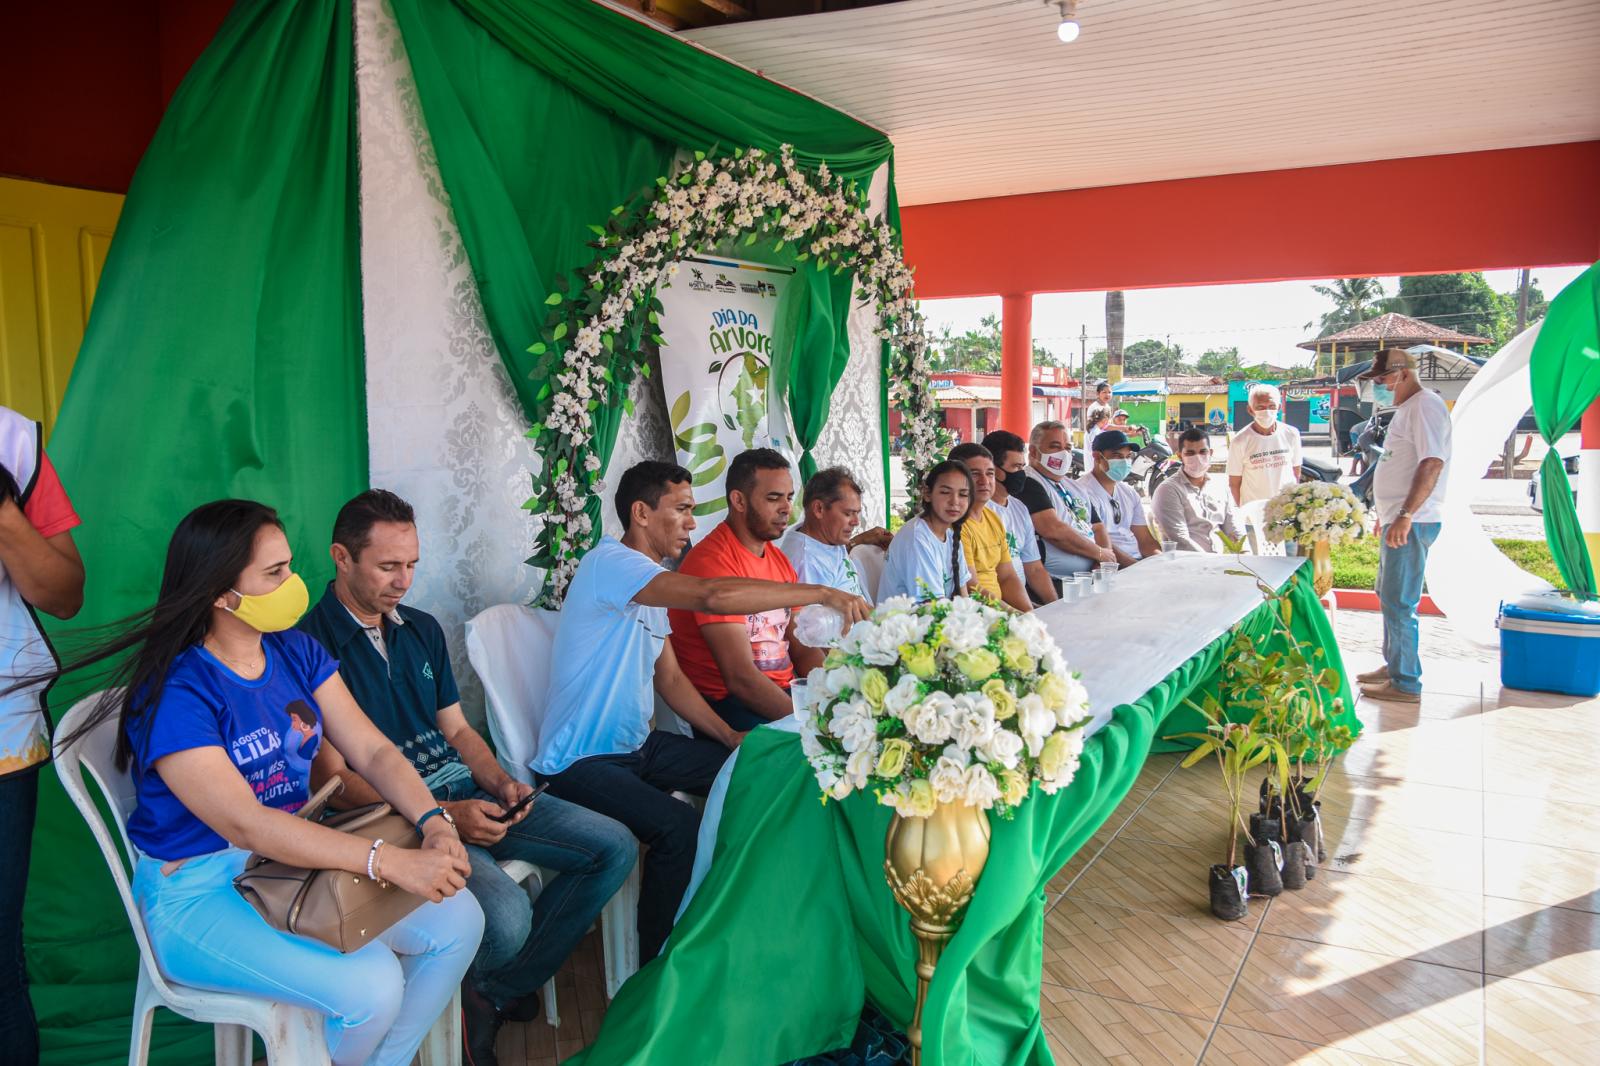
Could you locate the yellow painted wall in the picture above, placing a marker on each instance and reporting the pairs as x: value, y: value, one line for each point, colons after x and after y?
x: 1213, y: 402
x: 53, y: 243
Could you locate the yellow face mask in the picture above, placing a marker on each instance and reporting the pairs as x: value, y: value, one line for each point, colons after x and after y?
x: 276, y: 610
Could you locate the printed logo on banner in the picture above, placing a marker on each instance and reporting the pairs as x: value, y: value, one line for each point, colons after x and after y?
x: 716, y: 371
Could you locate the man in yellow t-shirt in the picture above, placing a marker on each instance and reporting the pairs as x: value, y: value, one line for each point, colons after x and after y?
x: 983, y: 534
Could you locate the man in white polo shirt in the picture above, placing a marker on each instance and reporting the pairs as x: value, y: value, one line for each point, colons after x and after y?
x: 1408, y: 490
x: 596, y: 747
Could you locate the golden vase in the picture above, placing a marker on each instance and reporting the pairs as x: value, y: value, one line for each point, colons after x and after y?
x: 1321, y: 567
x: 933, y: 865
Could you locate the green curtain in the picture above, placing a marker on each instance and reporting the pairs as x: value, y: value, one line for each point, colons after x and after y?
x: 223, y: 358
x: 546, y: 114
x: 1565, y: 371
x: 762, y: 939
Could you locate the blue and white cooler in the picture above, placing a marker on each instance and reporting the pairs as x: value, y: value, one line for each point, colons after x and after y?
x: 1549, y: 643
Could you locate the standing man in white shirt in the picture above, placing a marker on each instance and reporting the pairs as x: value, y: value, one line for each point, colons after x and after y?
x: 1263, y: 457
x: 1190, y: 507
x: 1011, y: 464
x: 1408, y: 490
x: 1116, y: 501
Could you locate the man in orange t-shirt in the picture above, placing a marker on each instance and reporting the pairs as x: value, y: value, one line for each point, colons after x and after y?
x: 740, y: 663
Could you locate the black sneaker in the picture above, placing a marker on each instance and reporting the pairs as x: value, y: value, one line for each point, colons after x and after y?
x: 480, y: 1024
x: 523, y: 1008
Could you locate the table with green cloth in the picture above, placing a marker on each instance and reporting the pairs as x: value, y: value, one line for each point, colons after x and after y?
x: 791, y: 926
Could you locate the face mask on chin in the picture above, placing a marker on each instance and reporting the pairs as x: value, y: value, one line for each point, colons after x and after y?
x: 1266, y: 419
x: 1197, y: 465
x: 1057, y: 463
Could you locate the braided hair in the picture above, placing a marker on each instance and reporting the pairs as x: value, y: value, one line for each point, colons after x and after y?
x: 949, y: 466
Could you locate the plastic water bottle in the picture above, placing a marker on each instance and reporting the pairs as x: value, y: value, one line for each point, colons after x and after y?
x: 819, y: 626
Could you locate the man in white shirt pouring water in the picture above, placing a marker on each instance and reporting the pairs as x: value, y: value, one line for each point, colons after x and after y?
x: 1408, y: 490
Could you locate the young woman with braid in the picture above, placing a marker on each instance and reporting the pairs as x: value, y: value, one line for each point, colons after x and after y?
x: 925, y: 560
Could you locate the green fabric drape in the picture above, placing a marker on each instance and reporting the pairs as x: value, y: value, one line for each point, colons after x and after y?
x: 621, y: 98
x: 765, y: 940
x: 223, y: 358
x: 811, y: 342
x: 1565, y: 372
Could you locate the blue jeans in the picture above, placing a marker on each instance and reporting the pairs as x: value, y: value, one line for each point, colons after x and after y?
x: 1399, y: 592
x: 19, y: 1034
x: 380, y: 1001
x: 525, y: 944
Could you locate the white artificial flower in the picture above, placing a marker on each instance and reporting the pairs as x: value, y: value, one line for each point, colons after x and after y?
x: 853, y: 724
x: 981, y: 789
x: 930, y: 721
x: 1035, y: 722
x: 901, y: 696
x: 949, y: 778
x: 858, y: 768
x: 972, y: 720
x: 1003, y: 747
x: 963, y: 632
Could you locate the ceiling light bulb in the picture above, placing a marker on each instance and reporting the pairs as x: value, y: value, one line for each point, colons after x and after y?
x: 1069, y: 29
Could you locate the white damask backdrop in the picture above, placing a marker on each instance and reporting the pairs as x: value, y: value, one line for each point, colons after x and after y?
x: 444, y: 427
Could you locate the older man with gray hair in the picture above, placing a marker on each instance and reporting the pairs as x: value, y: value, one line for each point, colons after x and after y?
x: 1263, y: 457
x: 1408, y: 490
x: 1072, y: 529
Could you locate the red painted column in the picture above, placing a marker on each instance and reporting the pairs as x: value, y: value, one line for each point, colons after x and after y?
x: 1016, y: 363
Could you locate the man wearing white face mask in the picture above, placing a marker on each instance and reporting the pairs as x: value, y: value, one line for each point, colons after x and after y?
x: 1263, y: 457
x: 1192, y: 506
x: 1072, y: 531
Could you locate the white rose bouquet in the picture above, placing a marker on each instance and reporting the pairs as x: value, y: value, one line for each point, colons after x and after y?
x: 947, y: 701
x: 1315, y: 511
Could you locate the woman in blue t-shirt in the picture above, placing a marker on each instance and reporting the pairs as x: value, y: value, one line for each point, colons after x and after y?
x: 222, y: 708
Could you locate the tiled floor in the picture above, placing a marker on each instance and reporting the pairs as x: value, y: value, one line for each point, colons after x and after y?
x: 1457, y: 919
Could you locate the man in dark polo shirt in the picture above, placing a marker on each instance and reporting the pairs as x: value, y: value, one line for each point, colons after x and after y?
x: 396, y: 664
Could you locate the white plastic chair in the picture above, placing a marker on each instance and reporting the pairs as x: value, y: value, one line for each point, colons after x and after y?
x: 293, y: 1036
x: 509, y: 646
x: 869, y: 566
x: 1254, y: 516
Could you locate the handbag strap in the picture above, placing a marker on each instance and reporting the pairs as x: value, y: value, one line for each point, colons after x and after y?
x: 319, y: 800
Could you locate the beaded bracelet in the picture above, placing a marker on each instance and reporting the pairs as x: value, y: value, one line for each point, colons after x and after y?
x: 372, y: 855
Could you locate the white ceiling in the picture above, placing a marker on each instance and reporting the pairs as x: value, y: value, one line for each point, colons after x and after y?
x: 981, y: 99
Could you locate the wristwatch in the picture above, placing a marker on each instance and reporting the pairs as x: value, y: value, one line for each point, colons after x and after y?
x: 1402, y: 513
x: 441, y: 812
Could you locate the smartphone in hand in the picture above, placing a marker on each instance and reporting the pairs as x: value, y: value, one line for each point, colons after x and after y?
x: 516, y: 808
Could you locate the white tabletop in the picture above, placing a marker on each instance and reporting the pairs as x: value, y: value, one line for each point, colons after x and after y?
x: 1155, y: 616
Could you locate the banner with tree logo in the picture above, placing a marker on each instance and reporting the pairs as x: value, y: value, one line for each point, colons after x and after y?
x: 719, y: 320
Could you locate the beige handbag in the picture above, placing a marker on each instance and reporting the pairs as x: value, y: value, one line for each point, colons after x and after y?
x: 339, y: 908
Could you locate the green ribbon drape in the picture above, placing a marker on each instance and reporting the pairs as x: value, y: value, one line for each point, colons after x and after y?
x: 223, y: 358
x: 791, y: 881
x: 1565, y: 373
x: 546, y: 114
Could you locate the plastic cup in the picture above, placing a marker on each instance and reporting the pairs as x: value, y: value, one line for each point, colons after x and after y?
x: 1169, y: 548
x: 797, y: 693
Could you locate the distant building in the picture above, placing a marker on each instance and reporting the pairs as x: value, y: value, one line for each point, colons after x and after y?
x: 971, y: 402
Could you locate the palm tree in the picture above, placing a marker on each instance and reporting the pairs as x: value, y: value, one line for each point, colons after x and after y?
x: 1354, y: 300
x: 1116, y: 316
